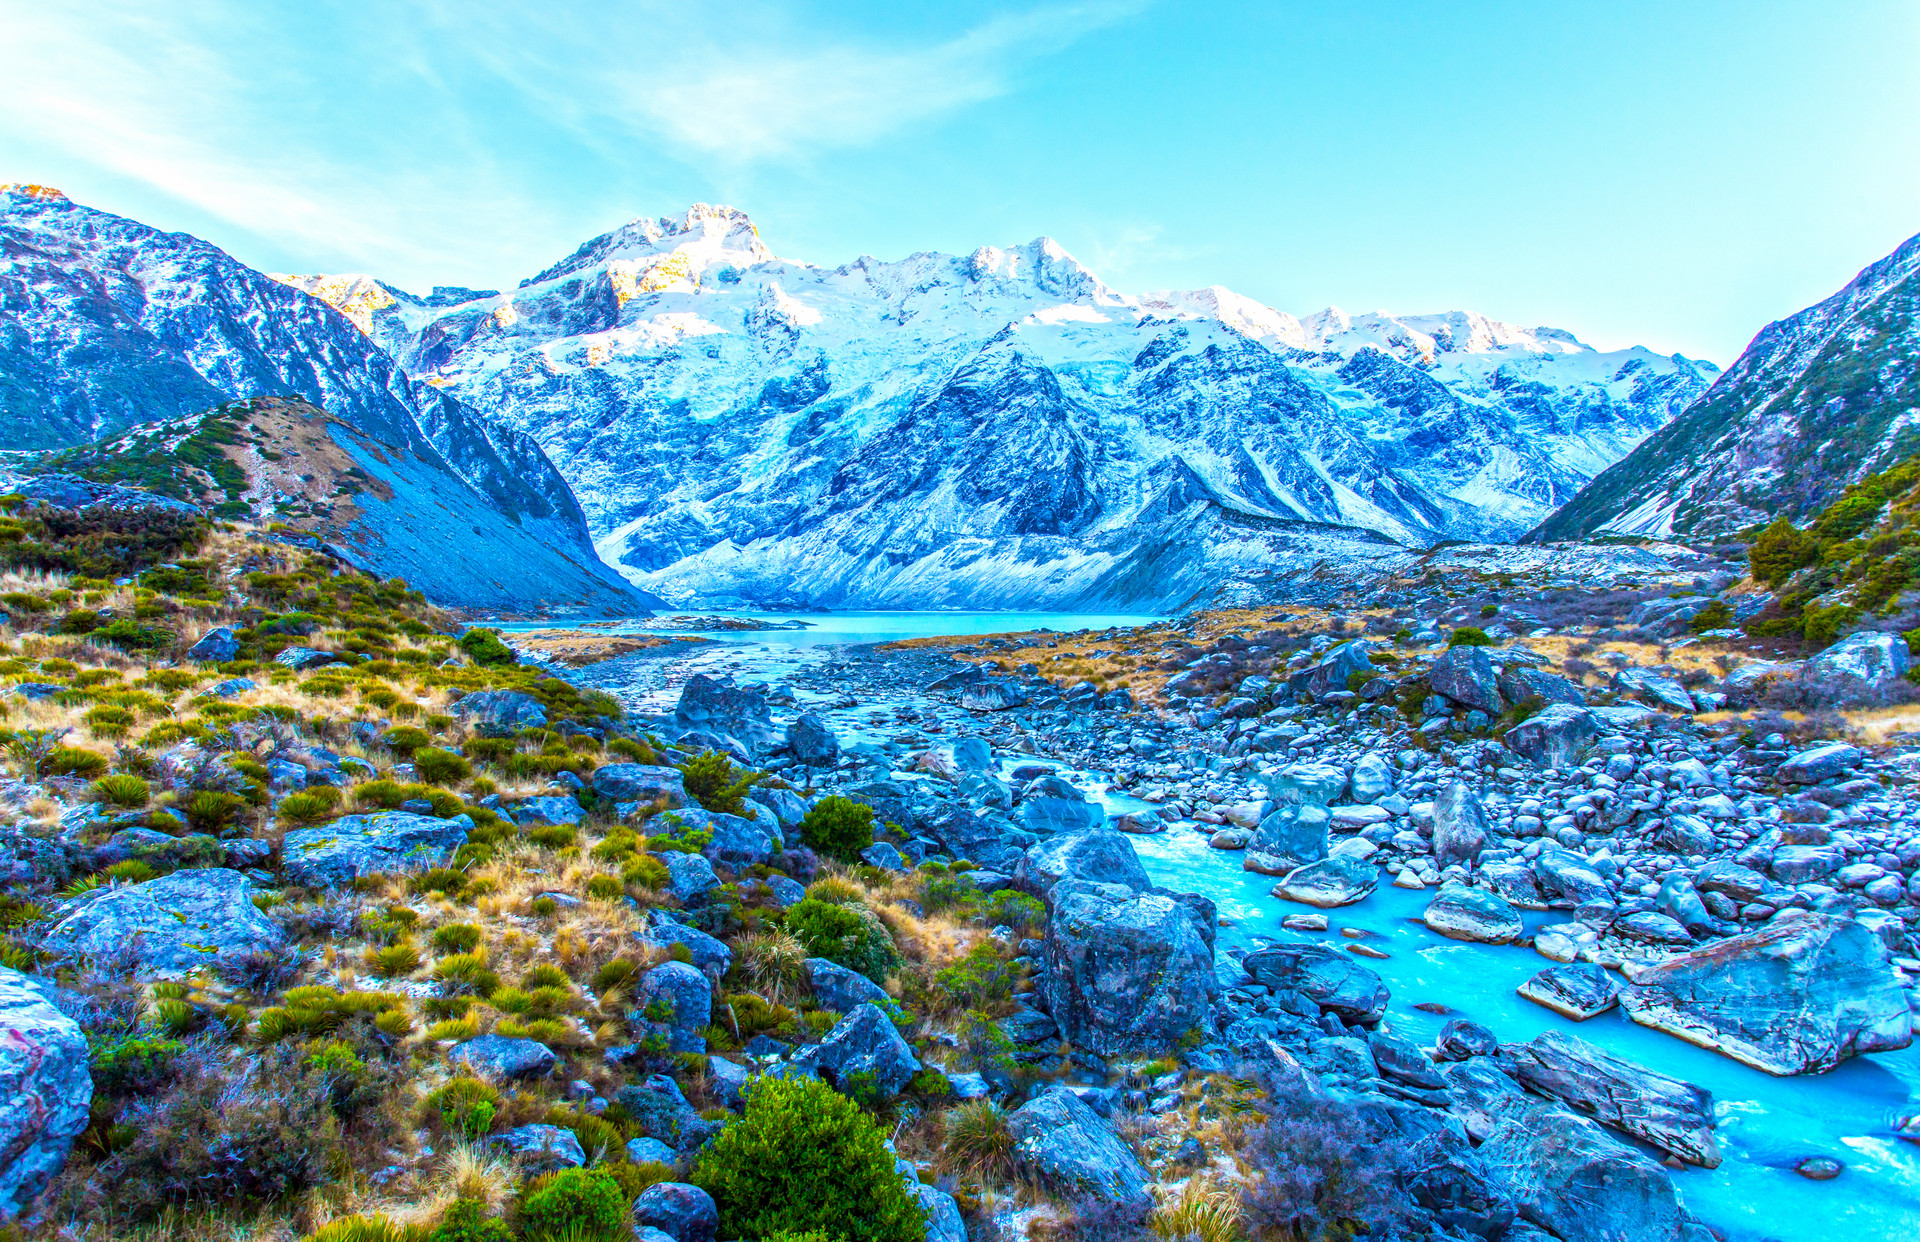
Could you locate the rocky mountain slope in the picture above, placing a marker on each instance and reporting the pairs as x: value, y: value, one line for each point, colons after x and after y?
x: 106, y: 325
x: 385, y: 510
x: 1817, y: 401
x: 1000, y: 428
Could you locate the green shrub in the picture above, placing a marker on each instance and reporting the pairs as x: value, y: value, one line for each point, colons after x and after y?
x: 1024, y: 914
x: 466, y: 1220
x: 713, y: 782
x: 211, y: 810
x: 121, y: 789
x: 1489, y: 610
x: 440, y: 767
x: 984, y: 977
x: 484, y: 648
x: 574, y: 1205
x: 310, y: 806
x: 838, y: 828
x: 1823, y: 625
x: 456, y: 938
x: 467, y: 1106
x: 368, y: 1229
x: 848, y: 935
x: 804, y: 1157
x: 1779, y: 550
x: 1469, y: 636
x: 406, y: 739
x: 1715, y: 616
x: 72, y: 761
x: 1845, y: 518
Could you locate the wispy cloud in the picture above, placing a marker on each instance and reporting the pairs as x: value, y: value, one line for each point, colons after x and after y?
x: 705, y: 86
x: 404, y: 138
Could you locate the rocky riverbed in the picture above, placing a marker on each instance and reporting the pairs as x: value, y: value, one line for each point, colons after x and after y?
x: 1716, y: 895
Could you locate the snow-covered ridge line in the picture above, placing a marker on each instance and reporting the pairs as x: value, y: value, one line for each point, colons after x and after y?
x: 725, y: 414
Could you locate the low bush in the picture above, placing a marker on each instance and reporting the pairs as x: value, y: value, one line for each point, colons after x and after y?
x: 849, y: 935
x: 713, y: 782
x: 838, y: 828
x: 574, y: 1205
x: 804, y: 1157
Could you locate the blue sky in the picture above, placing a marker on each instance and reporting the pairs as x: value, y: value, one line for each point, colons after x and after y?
x: 1671, y: 174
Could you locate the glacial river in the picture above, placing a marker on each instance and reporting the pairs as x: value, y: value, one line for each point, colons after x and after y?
x: 1766, y: 1125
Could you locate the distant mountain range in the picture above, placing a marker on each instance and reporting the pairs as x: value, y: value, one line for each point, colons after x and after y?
x: 999, y: 429
x: 1817, y: 401
x: 107, y: 325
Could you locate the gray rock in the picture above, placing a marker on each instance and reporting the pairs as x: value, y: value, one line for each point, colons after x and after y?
x: 741, y: 842
x: 1462, y: 1038
x: 1644, y: 685
x: 785, y: 891
x: 1462, y: 913
x: 1400, y: 1061
x: 541, y: 1148
x: 843, y: 990
x: 689, y: 1001
x: 216, y: 646
x: 169, y: 926
x: 812, y: 743
x: 230, y: 687
x: 734, y: 718
x: 1870, y: 656
x: 1797, y: 996
x: 1678, y: 900
x: 1569, y: 877
x: 866, y: 1043
x: 1295, y: 832
x: 958, y: 758
x: 1332, y: 882
x: 710, y: 955
x: 1459, y: 822
x: 641, y: 782
x: 884, y: 855
x: 300, y: 659
x: 1819, y: 763
x: 498, y: 1057
x: 1554, y: 736
x: 1576, y: 990
x: 683, y: 1212
x: 1063, y: 1144
x: 944, y: 1222
x: 649, y: 1151
x: 728, y: 1080
x: 1517, y: 685
x: 991, y: 696
x: 1334, y: 670
x: 1724, y: 876
x: 336, y: 854
x: 1465, y: 675
x: 1372, y: 778
x: 1322, y: 974
x: 659, y: 1111
x: 1675, y: 1116
x: 548, y: 809
x: 500, y: 713
x: 1126, y: 971
x: 45, y: 1088
x: 1570, y: 1177
x: 690, y: 877
x: 1053, y: 806
x: 1101, y: 855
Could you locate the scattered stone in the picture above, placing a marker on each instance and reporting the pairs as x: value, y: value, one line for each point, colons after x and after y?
x: 1675, y: 1116
x: 1126, y: 971
x: 1064, y: 1145
x: 639, y: 782
x: 1577, y: 990
x: 1462, y: 913
x: 45, y: 1088
x: 862, y: 1043
x: 170, y: 926
x: 336, y: 854
x: 498, y: 1057
x: 1329, y: 883
x: 683, y: 1212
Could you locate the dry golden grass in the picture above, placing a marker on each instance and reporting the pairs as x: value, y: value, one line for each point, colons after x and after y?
x: 577, y: 650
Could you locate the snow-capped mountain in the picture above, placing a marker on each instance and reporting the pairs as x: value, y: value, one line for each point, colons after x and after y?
x: 106, y: 324
x: 1817, y: 401
x: 999, y: 428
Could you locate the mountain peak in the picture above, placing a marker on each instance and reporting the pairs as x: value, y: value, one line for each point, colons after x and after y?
x: 27, y: 189
x: 705, y: 236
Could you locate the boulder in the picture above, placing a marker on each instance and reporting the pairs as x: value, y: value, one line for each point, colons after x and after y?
x: 683, y: 1212
x: 955, y: 759
x: 843, y: 990
x: 1568, y: 876
x: 1730, y: 879
x: 1517, y: 685
x: 1674, y: 1116
x: 1576, y: 990
x: 1554, y: 736
x: 1571, y: 1178
x: 659, y: 1111
x: 1295, y: 832
x: 641, y: 782
x: 548, y: 809
x: 500, y: 713
x: 1337, y: 881
x: 991, y: 696
x: 541, y: 1148
x: 45, y: 1088
x: 1465, y: 675
x: 1322, y: 974
x: 1334, y: 671
x: 335, y: 855
x: 1402, y: 1062
x: 1052, y: 806
x: 1462, y: 913
x: 864, y: 1042
x: 711, y: 956
x: 690, y: 877
x: 1655, y: 689
x: 169, y: 926
x: 942, y: 1211
x: 1744, y: 684
x: 1794, y: 997
x: 1461, y: 1038
x: 1868, y: 656
x: 649, y: 1151
x: 811, y: 742
x: 1062, y: 1143
x: 1819, y: 763
x: 1101, y: 855
x: 1459, y: 823
x: 689, y: 1002
x: 503, y: 1059
x: 216, y: 646
x: 736, y: 719
x: 299, y: 659
x: 1372, y: 778
x: 1126, y: 971
x: 742, y: 842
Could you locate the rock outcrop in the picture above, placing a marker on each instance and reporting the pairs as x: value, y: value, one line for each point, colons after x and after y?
x: 44, y: 1088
